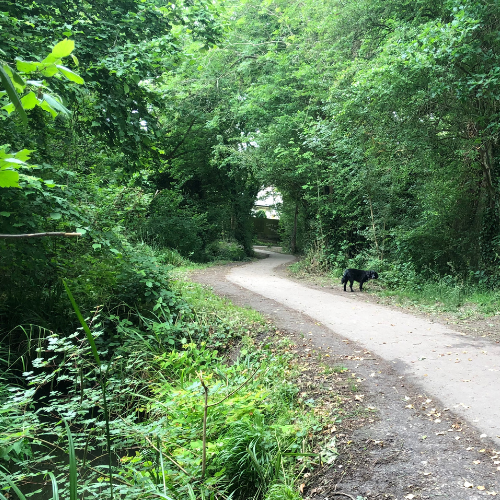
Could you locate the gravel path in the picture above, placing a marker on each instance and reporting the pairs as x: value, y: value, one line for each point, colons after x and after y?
x: 462, y: 372
x: 424, y: 432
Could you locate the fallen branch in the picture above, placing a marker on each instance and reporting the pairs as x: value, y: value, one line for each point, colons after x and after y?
x: 39, y: 235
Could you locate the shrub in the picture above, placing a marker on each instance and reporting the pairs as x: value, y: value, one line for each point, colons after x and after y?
x: 225, y: 250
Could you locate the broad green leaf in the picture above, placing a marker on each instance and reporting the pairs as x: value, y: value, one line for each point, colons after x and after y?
x: 126, y: 88
x: 96, y: 246
x: 55, y: 104
x: 11, y: 92
x: 75, y: 60
x: 9, y: 178
x: 26, y: 66
x: 70, y: 75
x: 17, y: 81
x: 176, y: 30
x: 63, y: 48
x: 49, y: 69
x: 10, y: 108
x: 29, y: 101
x: 5, y: 214
x: 46, y: 107
x: 24, y: 154
x: 55, y: 215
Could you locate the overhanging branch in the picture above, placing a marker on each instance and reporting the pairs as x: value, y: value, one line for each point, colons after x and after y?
x: 39, y: 235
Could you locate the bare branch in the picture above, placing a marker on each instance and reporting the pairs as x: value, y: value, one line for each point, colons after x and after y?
x: 39, y: 235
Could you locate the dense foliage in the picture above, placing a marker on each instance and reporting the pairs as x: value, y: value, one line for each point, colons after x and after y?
x: 149, y: 127
x: 378, y: 122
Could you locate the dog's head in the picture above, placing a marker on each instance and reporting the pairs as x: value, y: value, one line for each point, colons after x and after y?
x: 373, y: 275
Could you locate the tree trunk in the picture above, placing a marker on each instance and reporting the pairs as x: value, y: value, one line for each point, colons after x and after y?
x: 293, y: 243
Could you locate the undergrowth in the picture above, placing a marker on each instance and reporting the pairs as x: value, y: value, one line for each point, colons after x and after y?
x: 197, y: 408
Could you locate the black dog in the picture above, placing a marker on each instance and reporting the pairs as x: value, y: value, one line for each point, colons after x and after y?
x: 361, y: 277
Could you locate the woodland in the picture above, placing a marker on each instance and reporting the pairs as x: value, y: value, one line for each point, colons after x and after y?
x: 143, y: 130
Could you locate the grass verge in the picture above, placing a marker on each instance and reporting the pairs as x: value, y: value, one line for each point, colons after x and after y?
x: 201, y: 404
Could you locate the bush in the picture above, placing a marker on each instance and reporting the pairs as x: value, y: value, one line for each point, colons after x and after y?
x: 174, y: 224
x: 225, y: 250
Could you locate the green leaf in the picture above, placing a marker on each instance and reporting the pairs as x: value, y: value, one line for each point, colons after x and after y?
x: 26, y: 66
x: 10, y: 108
x: 5, y: 214
x: 12, y: 485
x: 96, y: 246
x: 48, y: 69
x: 18, y: 82
x: 24, y: 154
x: 11, y: 92
x: 55, y: 489
x: 55, y: 104
x: 63, y: 48
x: 86, y: 329
x: 73, y: 480
x: 126, y: 88
x: 29, y: 101
x: 55, y: 215
x: 9, y: 178
x: 46, y: 107
x: 75, y: 60
x: 70, y: 75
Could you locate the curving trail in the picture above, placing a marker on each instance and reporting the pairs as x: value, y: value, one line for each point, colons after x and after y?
x: 462, y: 372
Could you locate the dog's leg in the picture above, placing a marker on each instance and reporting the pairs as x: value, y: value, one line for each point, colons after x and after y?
x: 364, y: 280
x: 351, y: 282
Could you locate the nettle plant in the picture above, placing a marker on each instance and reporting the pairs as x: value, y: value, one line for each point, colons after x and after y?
x: 21, y: 94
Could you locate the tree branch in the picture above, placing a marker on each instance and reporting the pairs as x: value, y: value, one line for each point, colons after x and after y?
x: 39, y: 235
x: 179, y: 144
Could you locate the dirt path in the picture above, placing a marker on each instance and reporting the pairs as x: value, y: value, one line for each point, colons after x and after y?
x: 436, y: 391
